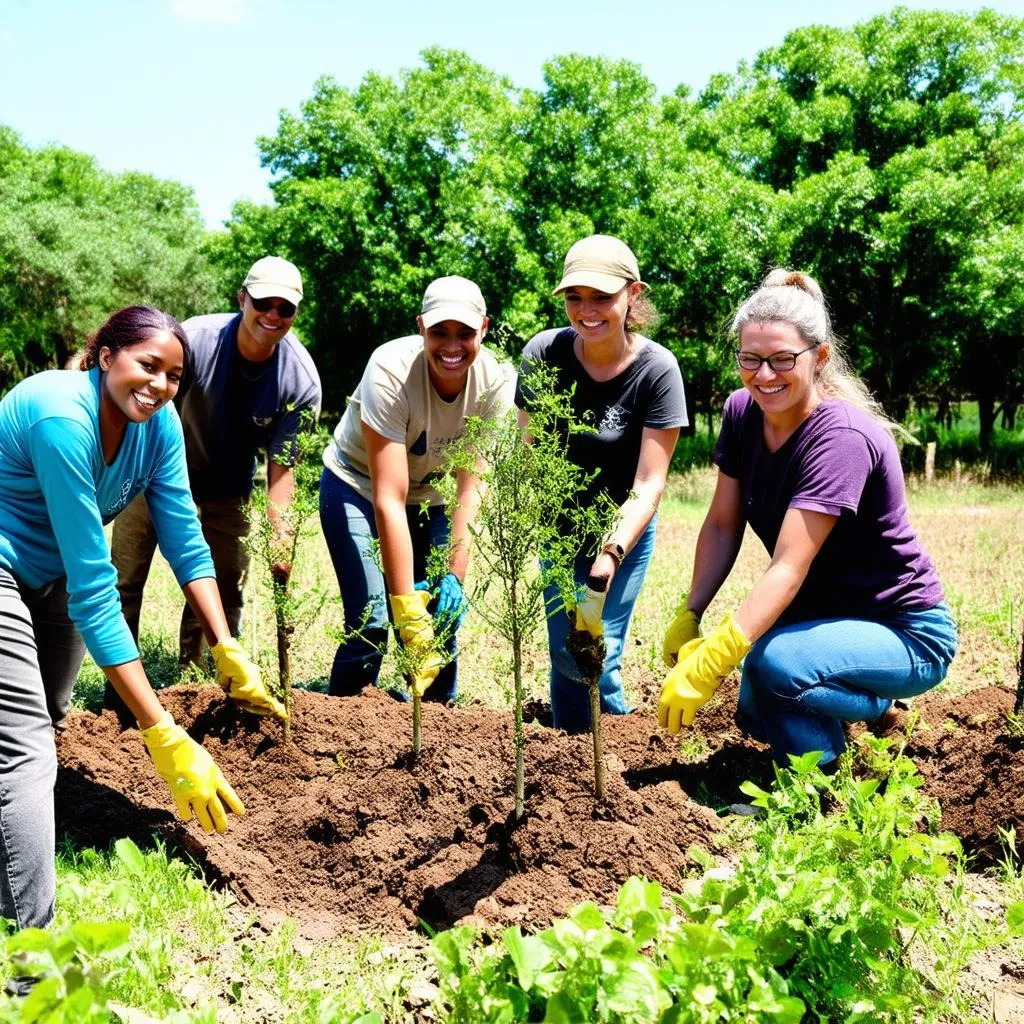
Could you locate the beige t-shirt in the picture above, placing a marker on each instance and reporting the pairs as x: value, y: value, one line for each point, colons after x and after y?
x: 396, y: 398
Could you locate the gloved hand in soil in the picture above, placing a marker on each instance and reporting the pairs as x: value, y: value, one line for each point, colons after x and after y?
x: 240, y: 676
x: 451, y: 600
x: 703, y: 664
x: 416, y: 631
x: 681, y: 630
x: 590, y: 607
x: 196, y: 782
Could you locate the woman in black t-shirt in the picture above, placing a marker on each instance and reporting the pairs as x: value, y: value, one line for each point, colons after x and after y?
x: 630, y: 390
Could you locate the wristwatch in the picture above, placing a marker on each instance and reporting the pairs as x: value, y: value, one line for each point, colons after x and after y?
x: 616, y: 551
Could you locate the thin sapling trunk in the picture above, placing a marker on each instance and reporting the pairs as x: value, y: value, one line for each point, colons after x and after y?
x: 589, y: 653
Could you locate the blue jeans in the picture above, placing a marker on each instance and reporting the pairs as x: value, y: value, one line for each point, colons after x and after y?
x: 801, y: 681
x: 349, y: 527
x: 570, y: 698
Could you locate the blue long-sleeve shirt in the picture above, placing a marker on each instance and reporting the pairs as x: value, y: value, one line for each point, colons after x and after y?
x: 56, y: 494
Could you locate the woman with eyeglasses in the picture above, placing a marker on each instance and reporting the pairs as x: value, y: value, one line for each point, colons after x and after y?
x: 849, y: 616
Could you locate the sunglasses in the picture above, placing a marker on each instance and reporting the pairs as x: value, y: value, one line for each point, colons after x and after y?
x: 285, y: 310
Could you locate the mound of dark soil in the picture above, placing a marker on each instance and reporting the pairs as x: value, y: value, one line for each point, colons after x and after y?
x: 973, y: 766
x: 342, y: 832
x: 345, y: 834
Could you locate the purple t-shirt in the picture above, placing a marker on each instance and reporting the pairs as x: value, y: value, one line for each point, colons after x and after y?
x: 839, y: 461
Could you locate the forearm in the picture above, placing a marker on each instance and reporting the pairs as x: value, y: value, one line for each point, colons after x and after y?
x: 468, y: 499
x: 395, y: 546
x: 768, y: 599
x: 635, y: 514
x: 132, y: 686
x: 280, y: 492
x: 204, y: 599
x: 717, y: 548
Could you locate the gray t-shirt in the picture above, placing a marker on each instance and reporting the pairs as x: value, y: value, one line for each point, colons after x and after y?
x: 234, y: 408
x: 842, y: 462
x: 647, y: 393
x: 396, y: 399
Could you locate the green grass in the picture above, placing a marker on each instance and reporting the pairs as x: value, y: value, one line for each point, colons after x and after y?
x: 194, y: 955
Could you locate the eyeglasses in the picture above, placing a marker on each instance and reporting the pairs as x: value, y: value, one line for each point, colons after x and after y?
x: 285, y: 310
x: 779, y: 361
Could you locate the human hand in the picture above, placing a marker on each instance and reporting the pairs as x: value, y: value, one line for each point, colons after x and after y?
x: 197, y: 785
x: 681, y: 630
x: 240, y: 676
x: 416, y: 632
x: 589, y: 611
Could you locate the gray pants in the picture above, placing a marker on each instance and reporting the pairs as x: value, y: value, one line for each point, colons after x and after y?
x: 225, y: 525
x: 40, y: 655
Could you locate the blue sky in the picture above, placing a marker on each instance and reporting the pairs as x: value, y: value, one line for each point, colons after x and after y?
x: 182, y: 88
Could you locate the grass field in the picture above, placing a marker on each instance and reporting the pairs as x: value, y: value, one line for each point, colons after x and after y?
x: 972, y: 530
x: 194, y: 950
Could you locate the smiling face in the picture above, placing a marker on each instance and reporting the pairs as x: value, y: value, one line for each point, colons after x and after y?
x: 139, y: 379
x: 451, y: 348
x: 596, y: 315
x: 786, y: 397
x: 260, y: 332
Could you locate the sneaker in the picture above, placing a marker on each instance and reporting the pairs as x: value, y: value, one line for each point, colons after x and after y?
x: 745, y: 810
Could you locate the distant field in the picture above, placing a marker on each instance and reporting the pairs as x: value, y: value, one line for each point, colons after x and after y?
x: 972, y: 530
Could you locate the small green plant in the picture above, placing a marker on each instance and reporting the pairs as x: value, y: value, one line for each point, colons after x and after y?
x: 856, y: 912
x: 529, y: 507
x: 274, y: 541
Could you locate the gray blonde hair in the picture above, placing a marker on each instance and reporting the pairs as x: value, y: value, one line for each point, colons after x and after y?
x: 793, y: 297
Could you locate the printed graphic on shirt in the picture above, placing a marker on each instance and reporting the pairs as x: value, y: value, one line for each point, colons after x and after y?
x: 614, y: 420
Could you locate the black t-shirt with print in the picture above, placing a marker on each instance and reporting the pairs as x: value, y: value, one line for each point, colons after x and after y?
x: 648, y: 393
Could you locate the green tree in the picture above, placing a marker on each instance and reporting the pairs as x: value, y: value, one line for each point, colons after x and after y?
x: 887, y: 144
x: 78, y: 243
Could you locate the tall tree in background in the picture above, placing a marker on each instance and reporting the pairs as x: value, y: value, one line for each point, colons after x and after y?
x: 885, y: 144
x: 77, y: 243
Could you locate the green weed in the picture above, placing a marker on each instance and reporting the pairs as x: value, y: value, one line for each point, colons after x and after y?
x: 818, y: 921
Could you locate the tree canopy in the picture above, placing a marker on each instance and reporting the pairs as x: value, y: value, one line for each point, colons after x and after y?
x: 885, y: 159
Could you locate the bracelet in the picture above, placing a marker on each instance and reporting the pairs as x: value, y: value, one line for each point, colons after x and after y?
x: 615, y: 551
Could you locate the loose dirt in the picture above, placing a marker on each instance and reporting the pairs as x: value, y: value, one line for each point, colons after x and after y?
x: 345, y: 834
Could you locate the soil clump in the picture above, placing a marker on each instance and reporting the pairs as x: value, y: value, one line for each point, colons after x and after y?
x: 343, y: 833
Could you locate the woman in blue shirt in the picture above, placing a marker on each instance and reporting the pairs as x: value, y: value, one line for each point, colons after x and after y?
x: 75, y: 448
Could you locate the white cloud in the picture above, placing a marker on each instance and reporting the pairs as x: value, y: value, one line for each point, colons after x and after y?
x: 220, y: 12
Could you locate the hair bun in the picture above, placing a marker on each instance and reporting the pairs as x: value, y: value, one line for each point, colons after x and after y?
x: 780, y: 277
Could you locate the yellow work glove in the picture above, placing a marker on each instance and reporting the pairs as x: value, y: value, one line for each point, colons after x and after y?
x: 416, y: 631
x: 589, y: 610
x: 240, y: 676
x: 681, y: 630
x: 703, y: 664
x: 196, y: 782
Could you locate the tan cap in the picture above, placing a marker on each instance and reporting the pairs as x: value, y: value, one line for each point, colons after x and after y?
x: 453, y: 298
x: 273, y: 277
x: 601, y: 262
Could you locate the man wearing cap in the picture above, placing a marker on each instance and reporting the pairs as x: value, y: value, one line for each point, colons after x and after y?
x: 252, y: 386
x: 414, y: 397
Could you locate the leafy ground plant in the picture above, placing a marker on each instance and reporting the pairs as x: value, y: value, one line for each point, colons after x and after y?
x: 529, y: 506
x: 818, y: 921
